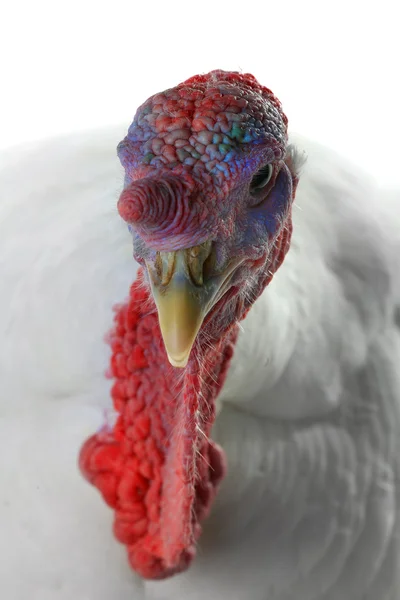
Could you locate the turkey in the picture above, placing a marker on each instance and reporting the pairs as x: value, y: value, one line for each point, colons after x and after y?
x: 245, y: 435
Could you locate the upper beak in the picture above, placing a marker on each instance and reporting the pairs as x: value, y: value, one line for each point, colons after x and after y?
x: 183, y: 295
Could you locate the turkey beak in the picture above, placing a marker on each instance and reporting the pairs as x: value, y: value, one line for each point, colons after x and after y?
x: 183, y: 297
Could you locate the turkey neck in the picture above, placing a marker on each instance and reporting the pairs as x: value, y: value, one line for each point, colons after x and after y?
x: 157, y: 467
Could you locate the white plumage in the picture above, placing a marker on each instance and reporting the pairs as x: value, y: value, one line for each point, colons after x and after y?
x: 309, y: 416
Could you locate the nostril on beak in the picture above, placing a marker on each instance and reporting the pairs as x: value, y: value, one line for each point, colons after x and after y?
x: 196, y: 258
x: 195, y: 261
x: 165, y: 266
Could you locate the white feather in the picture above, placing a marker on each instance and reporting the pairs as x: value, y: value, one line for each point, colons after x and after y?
x: 309, y: 416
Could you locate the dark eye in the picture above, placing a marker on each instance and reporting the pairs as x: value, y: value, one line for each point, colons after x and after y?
x: 261, y: 178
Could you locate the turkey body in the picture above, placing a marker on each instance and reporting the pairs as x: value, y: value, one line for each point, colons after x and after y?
x: 309, y: 416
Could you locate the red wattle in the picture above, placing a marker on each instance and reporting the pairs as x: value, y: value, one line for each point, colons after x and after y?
x: 157, y: 467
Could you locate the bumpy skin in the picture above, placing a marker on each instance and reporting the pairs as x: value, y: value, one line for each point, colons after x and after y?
x: 203, y: 139
x: 145, y: 466
x: 189, y: 157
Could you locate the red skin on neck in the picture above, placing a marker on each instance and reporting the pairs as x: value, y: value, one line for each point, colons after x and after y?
x: 157, y: 467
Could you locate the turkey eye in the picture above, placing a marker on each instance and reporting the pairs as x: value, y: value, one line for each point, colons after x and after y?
x: 261, y: 178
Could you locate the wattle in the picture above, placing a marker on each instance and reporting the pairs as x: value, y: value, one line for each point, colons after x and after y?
x: 157, y: 467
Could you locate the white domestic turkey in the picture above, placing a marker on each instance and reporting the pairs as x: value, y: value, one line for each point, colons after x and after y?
x: 309, y: 416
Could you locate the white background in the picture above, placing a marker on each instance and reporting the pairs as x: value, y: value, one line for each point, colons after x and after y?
x: 79, y: 64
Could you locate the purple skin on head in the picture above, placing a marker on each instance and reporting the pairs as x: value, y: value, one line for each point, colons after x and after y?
x: 207, y: 162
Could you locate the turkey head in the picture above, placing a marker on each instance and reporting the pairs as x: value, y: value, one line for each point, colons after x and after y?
x: 208, y: 191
